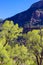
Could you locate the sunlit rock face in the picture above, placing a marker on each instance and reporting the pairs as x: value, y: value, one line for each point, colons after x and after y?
x: 37, y: 14
x: 37, y: 17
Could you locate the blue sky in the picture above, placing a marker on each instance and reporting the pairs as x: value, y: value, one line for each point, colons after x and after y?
x: 9, y: 8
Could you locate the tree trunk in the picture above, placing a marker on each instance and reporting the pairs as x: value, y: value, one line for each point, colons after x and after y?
x: 37, y: 60
x: 40, y: 61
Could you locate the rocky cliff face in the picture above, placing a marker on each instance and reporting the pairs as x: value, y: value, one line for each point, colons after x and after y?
x: 33, y: 16
x: 37, y: 17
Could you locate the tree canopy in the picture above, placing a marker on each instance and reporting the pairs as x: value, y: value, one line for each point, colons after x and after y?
x: 28, y: 51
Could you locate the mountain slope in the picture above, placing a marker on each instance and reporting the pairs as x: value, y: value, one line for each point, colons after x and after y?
x: 33, y: 15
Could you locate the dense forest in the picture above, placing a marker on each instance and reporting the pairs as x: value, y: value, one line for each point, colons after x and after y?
x: 18, y: 48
